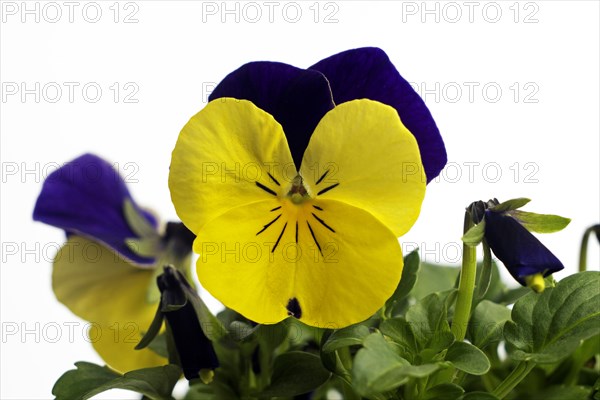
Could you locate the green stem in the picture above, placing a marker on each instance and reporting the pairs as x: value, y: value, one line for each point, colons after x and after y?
x: 466, y: 286
x: 345, y: 358
x: 584, y: 246
x: 485, y: 279
x: 513, y: 379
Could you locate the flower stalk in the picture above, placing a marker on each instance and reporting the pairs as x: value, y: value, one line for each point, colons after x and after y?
x: 513, y: 379
x: 466, y: 286
x: 584, y: 247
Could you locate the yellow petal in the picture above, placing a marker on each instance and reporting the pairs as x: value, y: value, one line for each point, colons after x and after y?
x: 222, y: 156
x: 115, y: 343
x: 101, y: 287
x: 340, y: 270
x: 362, y: 154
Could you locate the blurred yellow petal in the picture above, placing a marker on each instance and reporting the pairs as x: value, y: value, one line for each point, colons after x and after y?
x: 115, y: 343
x: 328, y: 263
x: 362, y: 154
x: 228, y: 155
x: 99, y: 286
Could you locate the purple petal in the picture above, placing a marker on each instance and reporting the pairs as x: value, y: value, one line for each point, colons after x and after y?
x: 295, y: 97
x: 368, y: 73
x: 521, y: 252
x: 86, y: 197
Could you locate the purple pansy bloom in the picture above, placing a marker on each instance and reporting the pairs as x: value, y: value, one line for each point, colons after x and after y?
x: 521, y: 252
x: 86, y: 197
x: 299, y: 98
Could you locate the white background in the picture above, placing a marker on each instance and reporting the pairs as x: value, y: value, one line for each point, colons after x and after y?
x: 549, y: 50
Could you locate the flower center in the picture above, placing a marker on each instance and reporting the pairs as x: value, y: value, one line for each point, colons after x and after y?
x: 298, y: 193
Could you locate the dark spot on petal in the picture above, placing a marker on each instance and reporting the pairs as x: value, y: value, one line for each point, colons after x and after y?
x: 293, y: 307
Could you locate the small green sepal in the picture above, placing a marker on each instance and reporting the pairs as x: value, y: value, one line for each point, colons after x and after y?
x: 511, y: 204
x: 474, y: 236
x: 540, y: 223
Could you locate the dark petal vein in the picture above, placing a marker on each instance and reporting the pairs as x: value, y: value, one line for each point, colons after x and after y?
x: 323, y: 223
x: 266, y: 189
x: 274, y: 180
x: 279, y: 238
x: 268, y: 225
x: 314, y: 238
x: 327, y: 189
x: 322, y: 177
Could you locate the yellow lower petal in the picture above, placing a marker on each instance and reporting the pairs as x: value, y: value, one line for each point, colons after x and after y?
x: 101, y: 287
x: 330, y: 263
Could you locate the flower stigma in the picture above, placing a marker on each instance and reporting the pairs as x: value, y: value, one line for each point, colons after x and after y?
x: 536, y: 282
x: 298, y: 193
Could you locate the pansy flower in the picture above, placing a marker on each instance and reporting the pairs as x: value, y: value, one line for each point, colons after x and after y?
x: 507, y: 232
x: 96, y: 274
x: 297, y: 197
x: 88, y: 197
x: 523, y: 255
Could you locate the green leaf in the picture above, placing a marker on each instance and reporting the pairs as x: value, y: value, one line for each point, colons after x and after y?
x: 201, y: 392
x: 512, y: 295
x: 468, y: 358
x: 474, y: 236
x: 407, y: 282
x: 349, y: 336
x: 487, y: 323
x: 378, y: 368
x: 90, y: 379
x: 400, y: 332
x: 75, y: 383
x: 295, y: 373
x: 512, y: 204
x: 239, y: 330
x: 433, y: 278
x: 218, y: 389
x: 546, y: 328
x: 429, y: 323
x: 588, y: 349
x: 565, y: 392
x: 540, y: 223
x: 444, y: 391
x: 137, y: 222
x: 480, y: 396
